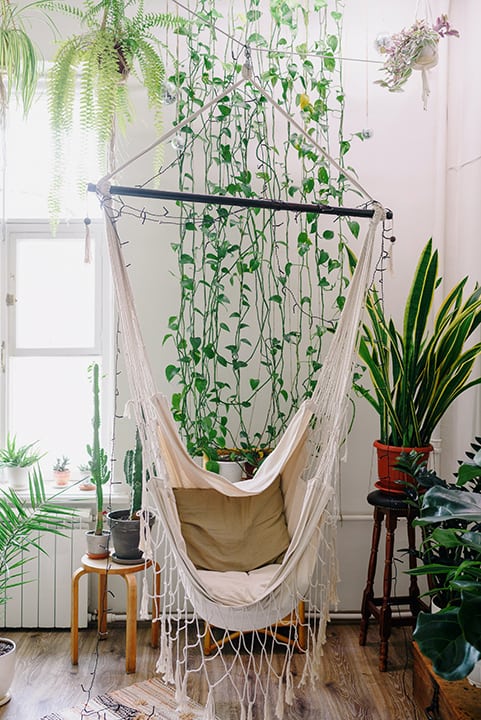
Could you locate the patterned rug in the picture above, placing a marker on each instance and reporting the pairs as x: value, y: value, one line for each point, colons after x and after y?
x: 142, y: 701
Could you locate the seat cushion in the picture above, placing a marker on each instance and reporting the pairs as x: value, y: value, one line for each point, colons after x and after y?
x: 225, y: 533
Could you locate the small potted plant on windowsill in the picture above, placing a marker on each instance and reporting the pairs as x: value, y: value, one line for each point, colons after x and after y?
x: 97, y: 539
x: 61, y: 471
x: 125, y: 524
x: 417, y: 374
x: 15, y: 460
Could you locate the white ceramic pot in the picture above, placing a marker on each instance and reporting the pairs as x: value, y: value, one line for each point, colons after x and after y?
x: 17, y: 477
x: 8, y: 657
x: 98, y: 546
x: 230, y: 470
x: 427, y: 59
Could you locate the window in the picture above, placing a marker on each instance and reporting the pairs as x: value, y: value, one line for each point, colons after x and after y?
x: 58, y: 324
x: 56, y: 316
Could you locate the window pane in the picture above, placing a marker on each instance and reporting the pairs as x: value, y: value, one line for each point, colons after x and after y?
x: 55, y: 293
x: 50, y: 400
x: 29, y: 158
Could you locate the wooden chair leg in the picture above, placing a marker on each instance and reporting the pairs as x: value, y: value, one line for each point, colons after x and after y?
x: 301, y: 627
x: 208, y: 639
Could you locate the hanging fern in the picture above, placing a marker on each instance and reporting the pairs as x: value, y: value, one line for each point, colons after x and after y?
x: 113, y: 48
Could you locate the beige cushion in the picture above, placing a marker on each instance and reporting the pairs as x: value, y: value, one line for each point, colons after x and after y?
x: 233, y: 533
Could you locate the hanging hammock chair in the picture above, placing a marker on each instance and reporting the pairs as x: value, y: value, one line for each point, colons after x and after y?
x: 285, y: 516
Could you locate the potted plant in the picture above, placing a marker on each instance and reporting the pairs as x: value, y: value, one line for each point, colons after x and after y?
x: 61, y: 471
x: 85, y: 475
x: 431, y: 553
x: 21, y: 521
x: 417, y: 374
x: 97, y: 539
x: 118, y: 42
x: 451, y: 520
x: 19, y: 57
x: 125, y: 524
x: 16, y: 460
x: 414, y: 48
x: 225, y: 461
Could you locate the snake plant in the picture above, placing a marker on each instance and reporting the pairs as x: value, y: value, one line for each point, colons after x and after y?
x: 417, y: 373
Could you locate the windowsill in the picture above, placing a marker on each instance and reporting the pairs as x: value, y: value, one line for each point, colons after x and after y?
x: 116, y: 497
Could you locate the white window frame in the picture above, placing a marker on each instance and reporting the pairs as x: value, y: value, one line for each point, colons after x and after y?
x: 103, y: 347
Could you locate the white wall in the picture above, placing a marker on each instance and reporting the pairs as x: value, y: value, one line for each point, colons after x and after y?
x: 402, y: 166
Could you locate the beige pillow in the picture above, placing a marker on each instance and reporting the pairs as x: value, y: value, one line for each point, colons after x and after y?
x: 233, y: 533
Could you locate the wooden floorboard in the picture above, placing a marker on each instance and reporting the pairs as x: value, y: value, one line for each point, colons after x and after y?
x: 350, y: 688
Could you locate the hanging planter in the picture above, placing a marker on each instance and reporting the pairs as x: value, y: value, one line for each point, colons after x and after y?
x: 414, y: 48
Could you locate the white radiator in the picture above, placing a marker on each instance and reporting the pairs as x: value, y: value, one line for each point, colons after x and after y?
x: 44, y: 601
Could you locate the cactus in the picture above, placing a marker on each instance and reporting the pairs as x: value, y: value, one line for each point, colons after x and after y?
x: 98, y: 457
x: 133, y: 475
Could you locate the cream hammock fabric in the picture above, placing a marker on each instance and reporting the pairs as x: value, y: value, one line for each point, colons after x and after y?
x: 305, y: 460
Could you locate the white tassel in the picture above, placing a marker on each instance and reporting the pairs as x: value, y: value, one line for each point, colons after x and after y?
x: 243, y: 715
x: 209, y: 710
x: 144, y: 605
x: 289, y: 688
x: 280, y: 701
x: 181, y: 697
x: 88, y: 243
x: 426, y: 89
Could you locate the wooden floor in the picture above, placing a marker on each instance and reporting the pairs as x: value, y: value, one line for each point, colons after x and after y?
x: 351, y: 687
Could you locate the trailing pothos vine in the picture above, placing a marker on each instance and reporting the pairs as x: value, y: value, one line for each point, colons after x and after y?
x: 260, y: 291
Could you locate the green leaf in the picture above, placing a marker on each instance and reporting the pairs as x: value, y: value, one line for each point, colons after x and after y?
x: 354, y: 227
x: 171, y: 371
x: 276, y: 299
x: 254, y: 383
x: 440, y: 637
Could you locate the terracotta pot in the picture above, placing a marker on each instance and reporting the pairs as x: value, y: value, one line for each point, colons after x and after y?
x: 390, y: 480
x: 61, y: 477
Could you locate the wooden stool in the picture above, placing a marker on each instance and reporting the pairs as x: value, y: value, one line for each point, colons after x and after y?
x: 104, y: 568
x: 390, y: 508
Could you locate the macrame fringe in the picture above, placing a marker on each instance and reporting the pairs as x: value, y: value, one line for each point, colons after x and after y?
x: 164, y: 662
x: 280, y: 700
x: 144, y: 605
x: 181, y: 696
x: 209, y: 711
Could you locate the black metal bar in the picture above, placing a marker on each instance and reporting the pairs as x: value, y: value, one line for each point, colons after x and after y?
x: 239, y: 202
